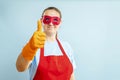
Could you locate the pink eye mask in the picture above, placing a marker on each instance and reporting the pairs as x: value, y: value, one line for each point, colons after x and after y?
x: 48, y: 19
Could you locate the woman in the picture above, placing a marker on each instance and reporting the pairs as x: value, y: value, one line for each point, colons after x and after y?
x: 47, y: 57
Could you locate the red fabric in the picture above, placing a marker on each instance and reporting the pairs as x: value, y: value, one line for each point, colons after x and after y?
x: 54, y: 67
x: 48, y: 19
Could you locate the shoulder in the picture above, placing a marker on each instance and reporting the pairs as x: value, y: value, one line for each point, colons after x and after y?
x: 67, y: 47
x: 65, y: 44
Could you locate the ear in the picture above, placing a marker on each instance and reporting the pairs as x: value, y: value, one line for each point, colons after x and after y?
x: 60, y: 22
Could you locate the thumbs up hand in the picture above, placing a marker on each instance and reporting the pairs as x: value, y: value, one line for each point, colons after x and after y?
x: 36, y: 41
x: 38, y: 38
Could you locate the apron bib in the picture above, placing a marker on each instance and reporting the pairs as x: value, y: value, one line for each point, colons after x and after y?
x: 54, y: 67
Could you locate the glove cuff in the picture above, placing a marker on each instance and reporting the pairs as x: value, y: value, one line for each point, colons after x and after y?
x: 28, y: 53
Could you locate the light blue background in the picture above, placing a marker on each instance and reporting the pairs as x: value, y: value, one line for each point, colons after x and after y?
x: 91, y: 27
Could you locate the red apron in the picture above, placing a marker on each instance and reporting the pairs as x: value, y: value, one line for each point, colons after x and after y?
x: 54, y: 67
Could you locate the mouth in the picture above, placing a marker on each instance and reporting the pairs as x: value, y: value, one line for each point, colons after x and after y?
x: 50, y: 27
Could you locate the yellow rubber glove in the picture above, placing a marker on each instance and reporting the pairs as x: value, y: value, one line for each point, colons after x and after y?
x: 36, y: 41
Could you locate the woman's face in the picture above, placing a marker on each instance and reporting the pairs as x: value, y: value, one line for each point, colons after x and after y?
x: 51, y: 22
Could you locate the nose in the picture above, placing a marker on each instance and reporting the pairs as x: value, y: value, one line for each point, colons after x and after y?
x: 51, y: 23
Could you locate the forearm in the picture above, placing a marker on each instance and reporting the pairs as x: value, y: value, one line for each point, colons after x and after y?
x: 72, y: 77
x: 29, y: 50
x: 22, y: 64
x: 25, y: 58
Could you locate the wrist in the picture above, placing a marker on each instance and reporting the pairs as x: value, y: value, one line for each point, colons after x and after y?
x: 28, y: 53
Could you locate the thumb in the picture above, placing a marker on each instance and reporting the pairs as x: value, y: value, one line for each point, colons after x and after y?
x: 39, y: 26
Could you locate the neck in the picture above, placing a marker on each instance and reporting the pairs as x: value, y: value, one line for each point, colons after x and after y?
x: 51, y: 38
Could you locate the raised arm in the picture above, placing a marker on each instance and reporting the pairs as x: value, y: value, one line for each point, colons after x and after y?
x: 29, y: 50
